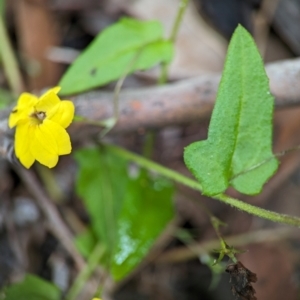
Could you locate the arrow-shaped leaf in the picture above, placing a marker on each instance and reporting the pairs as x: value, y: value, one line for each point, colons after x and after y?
x: 240, y: 130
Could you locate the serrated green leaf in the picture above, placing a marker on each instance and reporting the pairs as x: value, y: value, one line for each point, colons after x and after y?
x: 127, y: 213
x: 128, y: 45
x: 240, y: 130
x: 32, y: 288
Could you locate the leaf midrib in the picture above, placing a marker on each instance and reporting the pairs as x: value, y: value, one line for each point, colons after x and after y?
x: 240, y: 108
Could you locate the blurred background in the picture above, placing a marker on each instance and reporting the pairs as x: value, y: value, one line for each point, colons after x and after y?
x: 47, y: 36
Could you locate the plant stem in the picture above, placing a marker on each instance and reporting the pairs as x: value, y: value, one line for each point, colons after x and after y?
x: 165, y: 66
x: 260, y: 212
x: 150, y: 165
x: 9, y: 61
x: 2, y: 7
x: 111, y: 122
x: 84, y: 275
x: 183, y: 253
x: 182, y: 7
x: 50, y: 183
x: 173, y: 175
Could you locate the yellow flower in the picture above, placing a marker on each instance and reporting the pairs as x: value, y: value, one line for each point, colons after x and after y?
x: 40, y: 128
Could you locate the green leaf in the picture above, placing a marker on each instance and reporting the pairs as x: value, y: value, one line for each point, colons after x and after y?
x: 102, y: 183
x: 127, y: 212
x: 126, y: 46
x: 85, y: 242
x: 146, y: 211
x: 32, y: 288
x: 240, y: 130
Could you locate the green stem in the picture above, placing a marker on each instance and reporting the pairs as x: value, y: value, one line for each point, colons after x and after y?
x: 165, y: 66
x: 9, y: 61
x: 150, y: 165
x: 111, y: 122
x: 173, y: 175
x: 260, y: 212
x: 182, y: 7
x: 225, y: 249
x: 84, y: 275
x: 84, y: 120
x: 2, y: 7
x: 50, y: 183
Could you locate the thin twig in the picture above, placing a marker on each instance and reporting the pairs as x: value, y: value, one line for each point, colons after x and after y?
x: 86, y: 272
x: 195, y: 250
x: 56, y: 224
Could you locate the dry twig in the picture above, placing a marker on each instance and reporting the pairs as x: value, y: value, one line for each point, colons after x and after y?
x: 180, y: 254
x: 181, y: 102
x: 56, y: 224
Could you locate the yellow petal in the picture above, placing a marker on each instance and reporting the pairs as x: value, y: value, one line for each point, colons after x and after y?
x: 23, y: 138
x: 27, y: 99
x: 62, y: 113
x: 48, y: 100
x: 44, y: 147
x: 59, y: 135
x: 54, y: 90
x: 24, y: 108
x: 63, y: 141
x: 14, y: 117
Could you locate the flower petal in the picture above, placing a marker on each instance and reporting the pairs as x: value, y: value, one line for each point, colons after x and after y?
x: 58, y: 135
x: 23, y: 109
x: 44, y: 147
x: 23, y: 138
x: 61, y: 137
x: 48, y: 100
x: 62, y: 113
x: 27, y: 99
x: 54, y: 90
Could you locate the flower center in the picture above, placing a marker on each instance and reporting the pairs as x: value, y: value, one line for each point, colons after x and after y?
x: 39, y: 116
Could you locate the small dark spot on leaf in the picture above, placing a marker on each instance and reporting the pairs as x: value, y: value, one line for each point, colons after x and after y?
x: 93, y: 72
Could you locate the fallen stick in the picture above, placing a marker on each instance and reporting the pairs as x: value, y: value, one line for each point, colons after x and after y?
x: 176, y: 103
x: 181, y: 102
